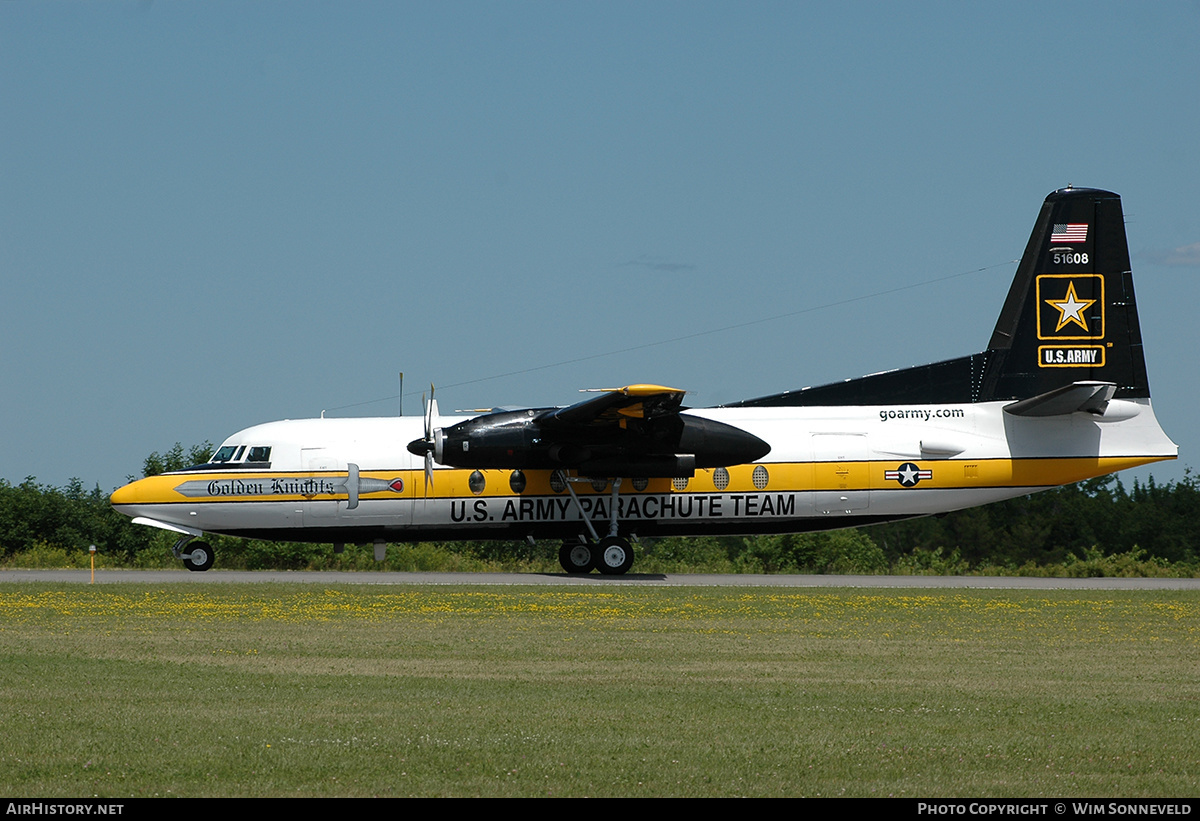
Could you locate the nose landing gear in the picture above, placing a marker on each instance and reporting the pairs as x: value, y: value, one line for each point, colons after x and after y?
x: 199, y: 557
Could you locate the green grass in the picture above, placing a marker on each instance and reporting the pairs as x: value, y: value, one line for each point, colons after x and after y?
x: 295, y: 690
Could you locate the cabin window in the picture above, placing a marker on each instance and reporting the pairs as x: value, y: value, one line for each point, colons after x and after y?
x: 476, y: 482
x: 259, y: 454
x: 517, y: 481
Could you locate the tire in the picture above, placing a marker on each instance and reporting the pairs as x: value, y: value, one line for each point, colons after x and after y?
x: 577, y: 557
x: 200, y: 557
x: 614, y: 556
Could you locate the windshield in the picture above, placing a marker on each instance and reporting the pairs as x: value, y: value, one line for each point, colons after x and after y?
x: 232, y: 454
x: 225, y: 453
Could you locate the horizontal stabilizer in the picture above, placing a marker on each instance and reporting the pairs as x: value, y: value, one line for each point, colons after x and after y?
x: 1087, y: 397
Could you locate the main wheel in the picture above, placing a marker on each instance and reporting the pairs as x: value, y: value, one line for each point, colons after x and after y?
x: 200, y: 556
x: 616, y: 556
x: 576, y: 557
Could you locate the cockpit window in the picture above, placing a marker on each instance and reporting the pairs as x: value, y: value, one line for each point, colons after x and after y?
x: 232, y: 455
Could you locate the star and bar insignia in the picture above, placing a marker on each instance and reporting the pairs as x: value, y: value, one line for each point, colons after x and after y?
x: 908, y: 474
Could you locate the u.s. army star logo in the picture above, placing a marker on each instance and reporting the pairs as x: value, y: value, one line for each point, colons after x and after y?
x: 1070, y: 306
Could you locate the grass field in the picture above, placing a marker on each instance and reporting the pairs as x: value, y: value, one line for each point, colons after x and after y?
x: 295, y: 690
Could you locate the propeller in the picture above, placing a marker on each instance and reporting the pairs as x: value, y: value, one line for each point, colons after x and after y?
x: 430, y: 436
x: 427, y: 446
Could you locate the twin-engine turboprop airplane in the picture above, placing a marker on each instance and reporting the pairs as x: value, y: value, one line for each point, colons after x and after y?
x: 1059, y: 395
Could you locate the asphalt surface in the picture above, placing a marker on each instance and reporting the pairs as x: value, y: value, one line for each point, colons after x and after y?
x: 631, y: 579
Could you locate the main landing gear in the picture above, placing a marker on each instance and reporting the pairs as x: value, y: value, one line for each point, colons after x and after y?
x: 199, y: 557
x: 612, y: 555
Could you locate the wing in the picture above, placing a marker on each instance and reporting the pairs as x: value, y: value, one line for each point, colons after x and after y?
x: 637, y: 430
x: 615, y: 405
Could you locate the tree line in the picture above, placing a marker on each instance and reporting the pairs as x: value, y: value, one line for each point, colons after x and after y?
x: 1158, y: 524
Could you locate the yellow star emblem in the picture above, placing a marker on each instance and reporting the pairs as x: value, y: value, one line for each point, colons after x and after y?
x: 1070, y: 309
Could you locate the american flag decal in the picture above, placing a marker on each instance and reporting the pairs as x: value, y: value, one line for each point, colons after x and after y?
x: 1071, y: 232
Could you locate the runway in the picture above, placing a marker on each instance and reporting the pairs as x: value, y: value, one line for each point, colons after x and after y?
x: 160, y: 577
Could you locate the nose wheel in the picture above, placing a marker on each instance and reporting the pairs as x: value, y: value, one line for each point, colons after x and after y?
x: 199, y: 557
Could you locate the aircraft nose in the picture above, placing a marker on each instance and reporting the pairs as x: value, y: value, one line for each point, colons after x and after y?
x: 123, y: 495
x: 134, y: 493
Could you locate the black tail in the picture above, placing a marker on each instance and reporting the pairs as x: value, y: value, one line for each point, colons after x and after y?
x: 1070, y: 317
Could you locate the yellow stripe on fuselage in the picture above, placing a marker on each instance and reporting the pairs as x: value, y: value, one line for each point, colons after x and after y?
x: 281, y: 486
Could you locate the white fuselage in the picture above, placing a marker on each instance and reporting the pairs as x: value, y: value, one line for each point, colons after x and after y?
x: 335, y: 480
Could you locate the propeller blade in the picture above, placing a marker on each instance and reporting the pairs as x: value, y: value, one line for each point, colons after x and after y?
x: 431, y: 411
x: 426, y: 407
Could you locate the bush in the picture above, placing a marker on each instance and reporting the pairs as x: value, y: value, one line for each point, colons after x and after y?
x: 680, y: 554
x: 931, y: 563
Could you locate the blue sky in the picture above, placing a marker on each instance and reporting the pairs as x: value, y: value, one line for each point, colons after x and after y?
x: 216, y: 214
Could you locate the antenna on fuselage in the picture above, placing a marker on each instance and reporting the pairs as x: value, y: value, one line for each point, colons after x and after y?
x: 401, y: 402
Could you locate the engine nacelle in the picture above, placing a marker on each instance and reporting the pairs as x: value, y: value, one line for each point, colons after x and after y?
x: 668, y: 446
x: 497, y: 440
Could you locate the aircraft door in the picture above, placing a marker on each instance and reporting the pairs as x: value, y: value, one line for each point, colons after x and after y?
x: 841, y: 473
x: 316, y: 509
x: 388, y: 502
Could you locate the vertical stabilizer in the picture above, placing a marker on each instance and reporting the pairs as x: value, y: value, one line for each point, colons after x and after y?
x: 1070, y: 315
x: 1070, y: 319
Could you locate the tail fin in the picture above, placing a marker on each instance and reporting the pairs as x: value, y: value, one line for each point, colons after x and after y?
x: 1070, y: 319
x: 1070, y: 315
